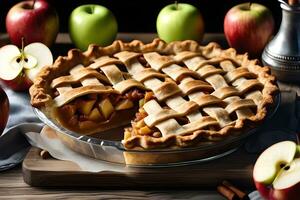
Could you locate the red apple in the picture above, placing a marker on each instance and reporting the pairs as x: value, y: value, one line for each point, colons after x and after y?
x: 4, y: 108
x: 36, y: 21
x: 248, y: 27
x: 18, y: 68
x: 276, y: 172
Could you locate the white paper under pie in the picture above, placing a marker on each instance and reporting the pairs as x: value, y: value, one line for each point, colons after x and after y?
x: 60, y: 151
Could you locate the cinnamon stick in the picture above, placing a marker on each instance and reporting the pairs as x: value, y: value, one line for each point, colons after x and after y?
x: 231, y: 192
x: 238, y: 192
x: 227, y: 193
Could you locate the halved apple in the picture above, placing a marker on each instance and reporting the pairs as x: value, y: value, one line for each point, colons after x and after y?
x: 276, y: 172
x: 18, y: 68
x: 40, y: 55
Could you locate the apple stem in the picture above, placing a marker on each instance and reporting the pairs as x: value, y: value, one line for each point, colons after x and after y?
x: 22, y: 50
x: 176, y: 4
x: 250, y: 3
x: 33, y: 4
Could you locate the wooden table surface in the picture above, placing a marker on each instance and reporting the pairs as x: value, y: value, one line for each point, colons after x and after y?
x: 12, y: 185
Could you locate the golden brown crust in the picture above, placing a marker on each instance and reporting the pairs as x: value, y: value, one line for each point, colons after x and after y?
x: 40, y: 90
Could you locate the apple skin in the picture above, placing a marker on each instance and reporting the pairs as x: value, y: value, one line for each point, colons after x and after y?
x: 20, y: 83
x: 92, y: 24
x: 268, y: 192
x: 40, y: 24
x: 292, y: 193
x: 184, y: 22
x: 4, y: 107
x: 264, y: 191
x: 248, y: 28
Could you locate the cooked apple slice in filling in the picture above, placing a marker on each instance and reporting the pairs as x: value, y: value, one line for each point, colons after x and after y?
x: 85, y: 107
x: 138, y: 125
x: 94, y: 110
x: 106, y: 108
x: 124, y: 104
x: 95, y: 115
x: 145, y: 130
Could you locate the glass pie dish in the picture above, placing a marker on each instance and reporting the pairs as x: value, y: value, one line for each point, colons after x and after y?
x: 108, y: 147
x: 185, y: 102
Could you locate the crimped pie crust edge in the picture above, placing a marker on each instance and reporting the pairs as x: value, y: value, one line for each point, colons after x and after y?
x: 41, y: 99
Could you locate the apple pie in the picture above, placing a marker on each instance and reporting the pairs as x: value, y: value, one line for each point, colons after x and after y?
x: 175, y: 95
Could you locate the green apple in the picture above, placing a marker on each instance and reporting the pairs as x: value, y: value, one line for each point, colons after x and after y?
x: 180, y: 21
x: 92, y: 24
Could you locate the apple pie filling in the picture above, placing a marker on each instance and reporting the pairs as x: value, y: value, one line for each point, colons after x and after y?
x: 90, y: 110
x: 140, y: 128
x: 138, y: 125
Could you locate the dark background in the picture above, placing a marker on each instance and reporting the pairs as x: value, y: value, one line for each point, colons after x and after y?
x: 140, y: 16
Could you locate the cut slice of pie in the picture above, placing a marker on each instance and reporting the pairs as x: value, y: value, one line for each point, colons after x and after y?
x: 176, y: 95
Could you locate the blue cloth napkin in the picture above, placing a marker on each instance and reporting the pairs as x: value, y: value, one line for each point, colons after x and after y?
x: 20, y: 108
x: 13, y: 145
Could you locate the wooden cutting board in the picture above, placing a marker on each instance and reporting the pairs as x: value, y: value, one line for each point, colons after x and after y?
x: 236, y: 167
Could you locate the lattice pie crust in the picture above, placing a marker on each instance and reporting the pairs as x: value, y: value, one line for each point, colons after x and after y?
x: 194, y: 93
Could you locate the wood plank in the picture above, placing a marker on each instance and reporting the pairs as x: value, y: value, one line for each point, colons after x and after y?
x: 13, y: 187
x: 49, y: 193
x: 52, y: 172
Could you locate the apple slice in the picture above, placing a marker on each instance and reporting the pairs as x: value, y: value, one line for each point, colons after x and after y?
x: 140, y: 124
x: 85, y: 107
x: 95, y: 115
x: 43, y: 57
x: 272, y: 159
x: 125, y: 104
x: 145, y: 130
x: 106, y: 108
x: 141, y: 102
